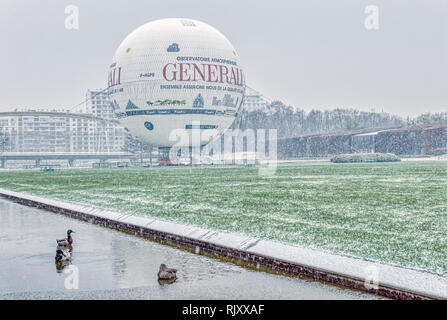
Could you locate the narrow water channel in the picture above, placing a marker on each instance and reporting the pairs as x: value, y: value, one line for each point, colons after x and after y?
x: 114, y: 265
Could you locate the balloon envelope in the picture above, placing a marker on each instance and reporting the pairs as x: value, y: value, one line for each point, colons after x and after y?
x: 171, y: 76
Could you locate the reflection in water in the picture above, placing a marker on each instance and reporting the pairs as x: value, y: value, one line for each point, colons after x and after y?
x: 112, y: 264
x: 106, y: 258
x: 119, y: 265
x: 164, y: 282
x: 134, y: 264
x: 63, y: 258
x: 60, y: 266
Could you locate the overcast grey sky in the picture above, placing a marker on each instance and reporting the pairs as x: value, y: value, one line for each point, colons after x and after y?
x: 310, y: 54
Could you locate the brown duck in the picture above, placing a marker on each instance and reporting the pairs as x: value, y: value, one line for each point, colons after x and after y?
x: 166, y: 273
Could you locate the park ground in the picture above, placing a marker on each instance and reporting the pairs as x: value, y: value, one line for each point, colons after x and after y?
x: 393, y: 213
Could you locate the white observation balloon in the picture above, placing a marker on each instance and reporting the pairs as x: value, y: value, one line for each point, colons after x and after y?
x: 175, y: 74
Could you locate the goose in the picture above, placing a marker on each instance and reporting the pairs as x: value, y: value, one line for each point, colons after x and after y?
x: 67, y: 241
x: 166, y: 273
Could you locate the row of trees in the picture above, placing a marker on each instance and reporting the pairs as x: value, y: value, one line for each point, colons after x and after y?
x: 292, y: 122
x: 428, y: 118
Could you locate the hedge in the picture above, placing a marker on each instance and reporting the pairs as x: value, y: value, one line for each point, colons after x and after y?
x: 365, y: 157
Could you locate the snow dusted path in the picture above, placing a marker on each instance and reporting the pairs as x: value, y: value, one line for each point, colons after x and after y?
x: 386, y: 280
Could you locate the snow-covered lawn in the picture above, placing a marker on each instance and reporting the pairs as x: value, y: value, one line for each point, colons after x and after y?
x: 391, y: 212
